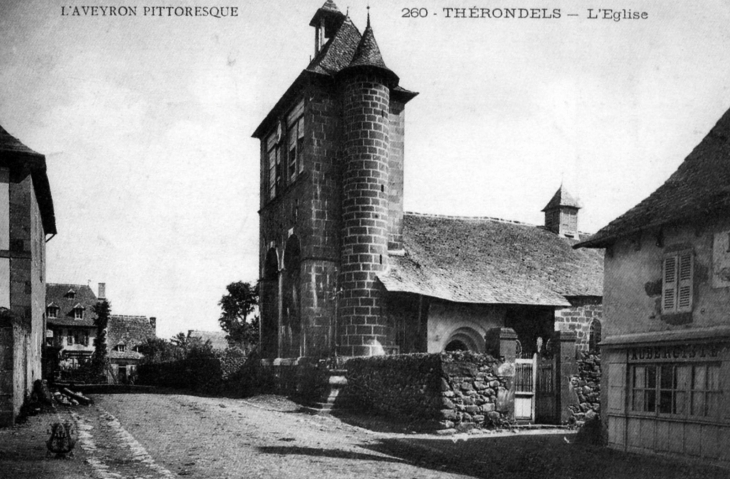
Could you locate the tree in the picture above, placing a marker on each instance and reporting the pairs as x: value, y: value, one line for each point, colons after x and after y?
x: 238, y: 315
x: 98, y: 361
x: 180, y: 340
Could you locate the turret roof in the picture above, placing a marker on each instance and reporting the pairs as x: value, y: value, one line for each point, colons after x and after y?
x: 562, y: 198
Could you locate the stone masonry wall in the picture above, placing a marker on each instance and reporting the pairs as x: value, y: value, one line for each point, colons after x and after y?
x: 454, y: 391
x: 578, y: 317
x: 587, y: 387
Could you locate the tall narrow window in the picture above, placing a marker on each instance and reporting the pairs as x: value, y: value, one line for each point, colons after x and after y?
x: 295, y: 142
x: 273, y: 162
x: 677, y: 283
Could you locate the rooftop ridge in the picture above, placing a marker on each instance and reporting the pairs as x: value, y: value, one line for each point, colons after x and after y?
x: 471, y: 218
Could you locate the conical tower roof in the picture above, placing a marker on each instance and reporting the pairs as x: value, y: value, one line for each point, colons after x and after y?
x: 562, y: 198
x: 367, y: 55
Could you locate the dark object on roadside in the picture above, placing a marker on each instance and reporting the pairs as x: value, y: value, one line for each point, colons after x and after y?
x: 40, y: 389
x: 590, y: 433
x: 62, y: 440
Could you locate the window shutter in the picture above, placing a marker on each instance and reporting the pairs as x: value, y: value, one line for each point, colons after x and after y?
x: 684, y: 282
x: 669, y: 285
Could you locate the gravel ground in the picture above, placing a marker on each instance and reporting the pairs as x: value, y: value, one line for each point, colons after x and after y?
x: 150, y: 436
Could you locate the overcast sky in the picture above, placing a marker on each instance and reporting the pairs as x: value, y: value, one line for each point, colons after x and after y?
x: 146, y: 123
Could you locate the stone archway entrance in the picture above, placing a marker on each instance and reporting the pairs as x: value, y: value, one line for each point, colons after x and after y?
x: 465, y: 339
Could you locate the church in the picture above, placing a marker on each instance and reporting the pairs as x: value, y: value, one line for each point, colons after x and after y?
x: 346, y: 272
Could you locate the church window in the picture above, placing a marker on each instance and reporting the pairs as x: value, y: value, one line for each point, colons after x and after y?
x: 273, y: 164
x: 677, y: 283
x: 295, y: 142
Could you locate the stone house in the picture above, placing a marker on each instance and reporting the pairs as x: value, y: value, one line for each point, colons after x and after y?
x: 70, y: 329
x: 666, y: 331
x: 124, y: 336
x: 27, y: 222
x: 344, y: 270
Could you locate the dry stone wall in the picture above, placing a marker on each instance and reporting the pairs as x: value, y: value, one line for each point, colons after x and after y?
x: 587, y: 387
x: 454, y: 391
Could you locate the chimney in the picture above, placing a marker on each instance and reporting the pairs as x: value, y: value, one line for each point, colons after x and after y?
x: 153, y: 323
x: 102, y: 291
x: 561, y: 214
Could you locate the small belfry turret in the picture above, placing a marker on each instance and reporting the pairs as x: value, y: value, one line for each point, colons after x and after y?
x: 325, y: 22
x: 561, y: 214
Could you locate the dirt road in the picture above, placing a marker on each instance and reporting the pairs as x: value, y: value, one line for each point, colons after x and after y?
x: 155, y: 436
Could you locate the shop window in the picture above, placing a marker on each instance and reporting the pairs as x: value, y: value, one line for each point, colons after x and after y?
x: 677, y: 283
x: 705, y: 390
x: 676, y: 389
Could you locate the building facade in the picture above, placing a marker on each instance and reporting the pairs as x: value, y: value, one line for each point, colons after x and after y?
x: 666, y: 346
x: 71, y: 328
x: 72, y: 331
x: 125, y: 335
x: 345, y: 271
x: 27, y: 220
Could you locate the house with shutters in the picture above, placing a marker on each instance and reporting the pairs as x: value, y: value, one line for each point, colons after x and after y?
x: 71, y: 332
x: 666, y: 331
x: 70, y: 328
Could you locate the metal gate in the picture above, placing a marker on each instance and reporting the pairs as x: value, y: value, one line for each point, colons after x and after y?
x: 525, y: 379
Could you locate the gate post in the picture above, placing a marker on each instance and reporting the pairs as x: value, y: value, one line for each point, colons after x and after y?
x: 502, y: 344
x: 565, y: 367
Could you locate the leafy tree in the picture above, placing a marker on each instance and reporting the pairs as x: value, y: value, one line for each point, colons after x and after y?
x: 180, y: 340
x: 98, y: 360
x: 238, y: 313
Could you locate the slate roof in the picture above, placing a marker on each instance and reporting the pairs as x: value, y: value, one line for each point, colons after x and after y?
x: 56, y: 295
x: 346, y: 45
x: 562, y: 198
x: 130, y: 331
x: 217, y: 338
x: 15, y: 154
x: 491, y: 261
x: 339, y: 50
x: 699, y: 187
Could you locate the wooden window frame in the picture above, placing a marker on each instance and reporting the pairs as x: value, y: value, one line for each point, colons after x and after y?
x: 677, y: 282
x: 710, y: 391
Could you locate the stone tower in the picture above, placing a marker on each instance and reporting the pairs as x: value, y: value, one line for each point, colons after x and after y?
x: 331, y: 197
x: 366, y: 84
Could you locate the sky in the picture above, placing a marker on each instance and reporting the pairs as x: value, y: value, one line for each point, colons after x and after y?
x: 146, y: 122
